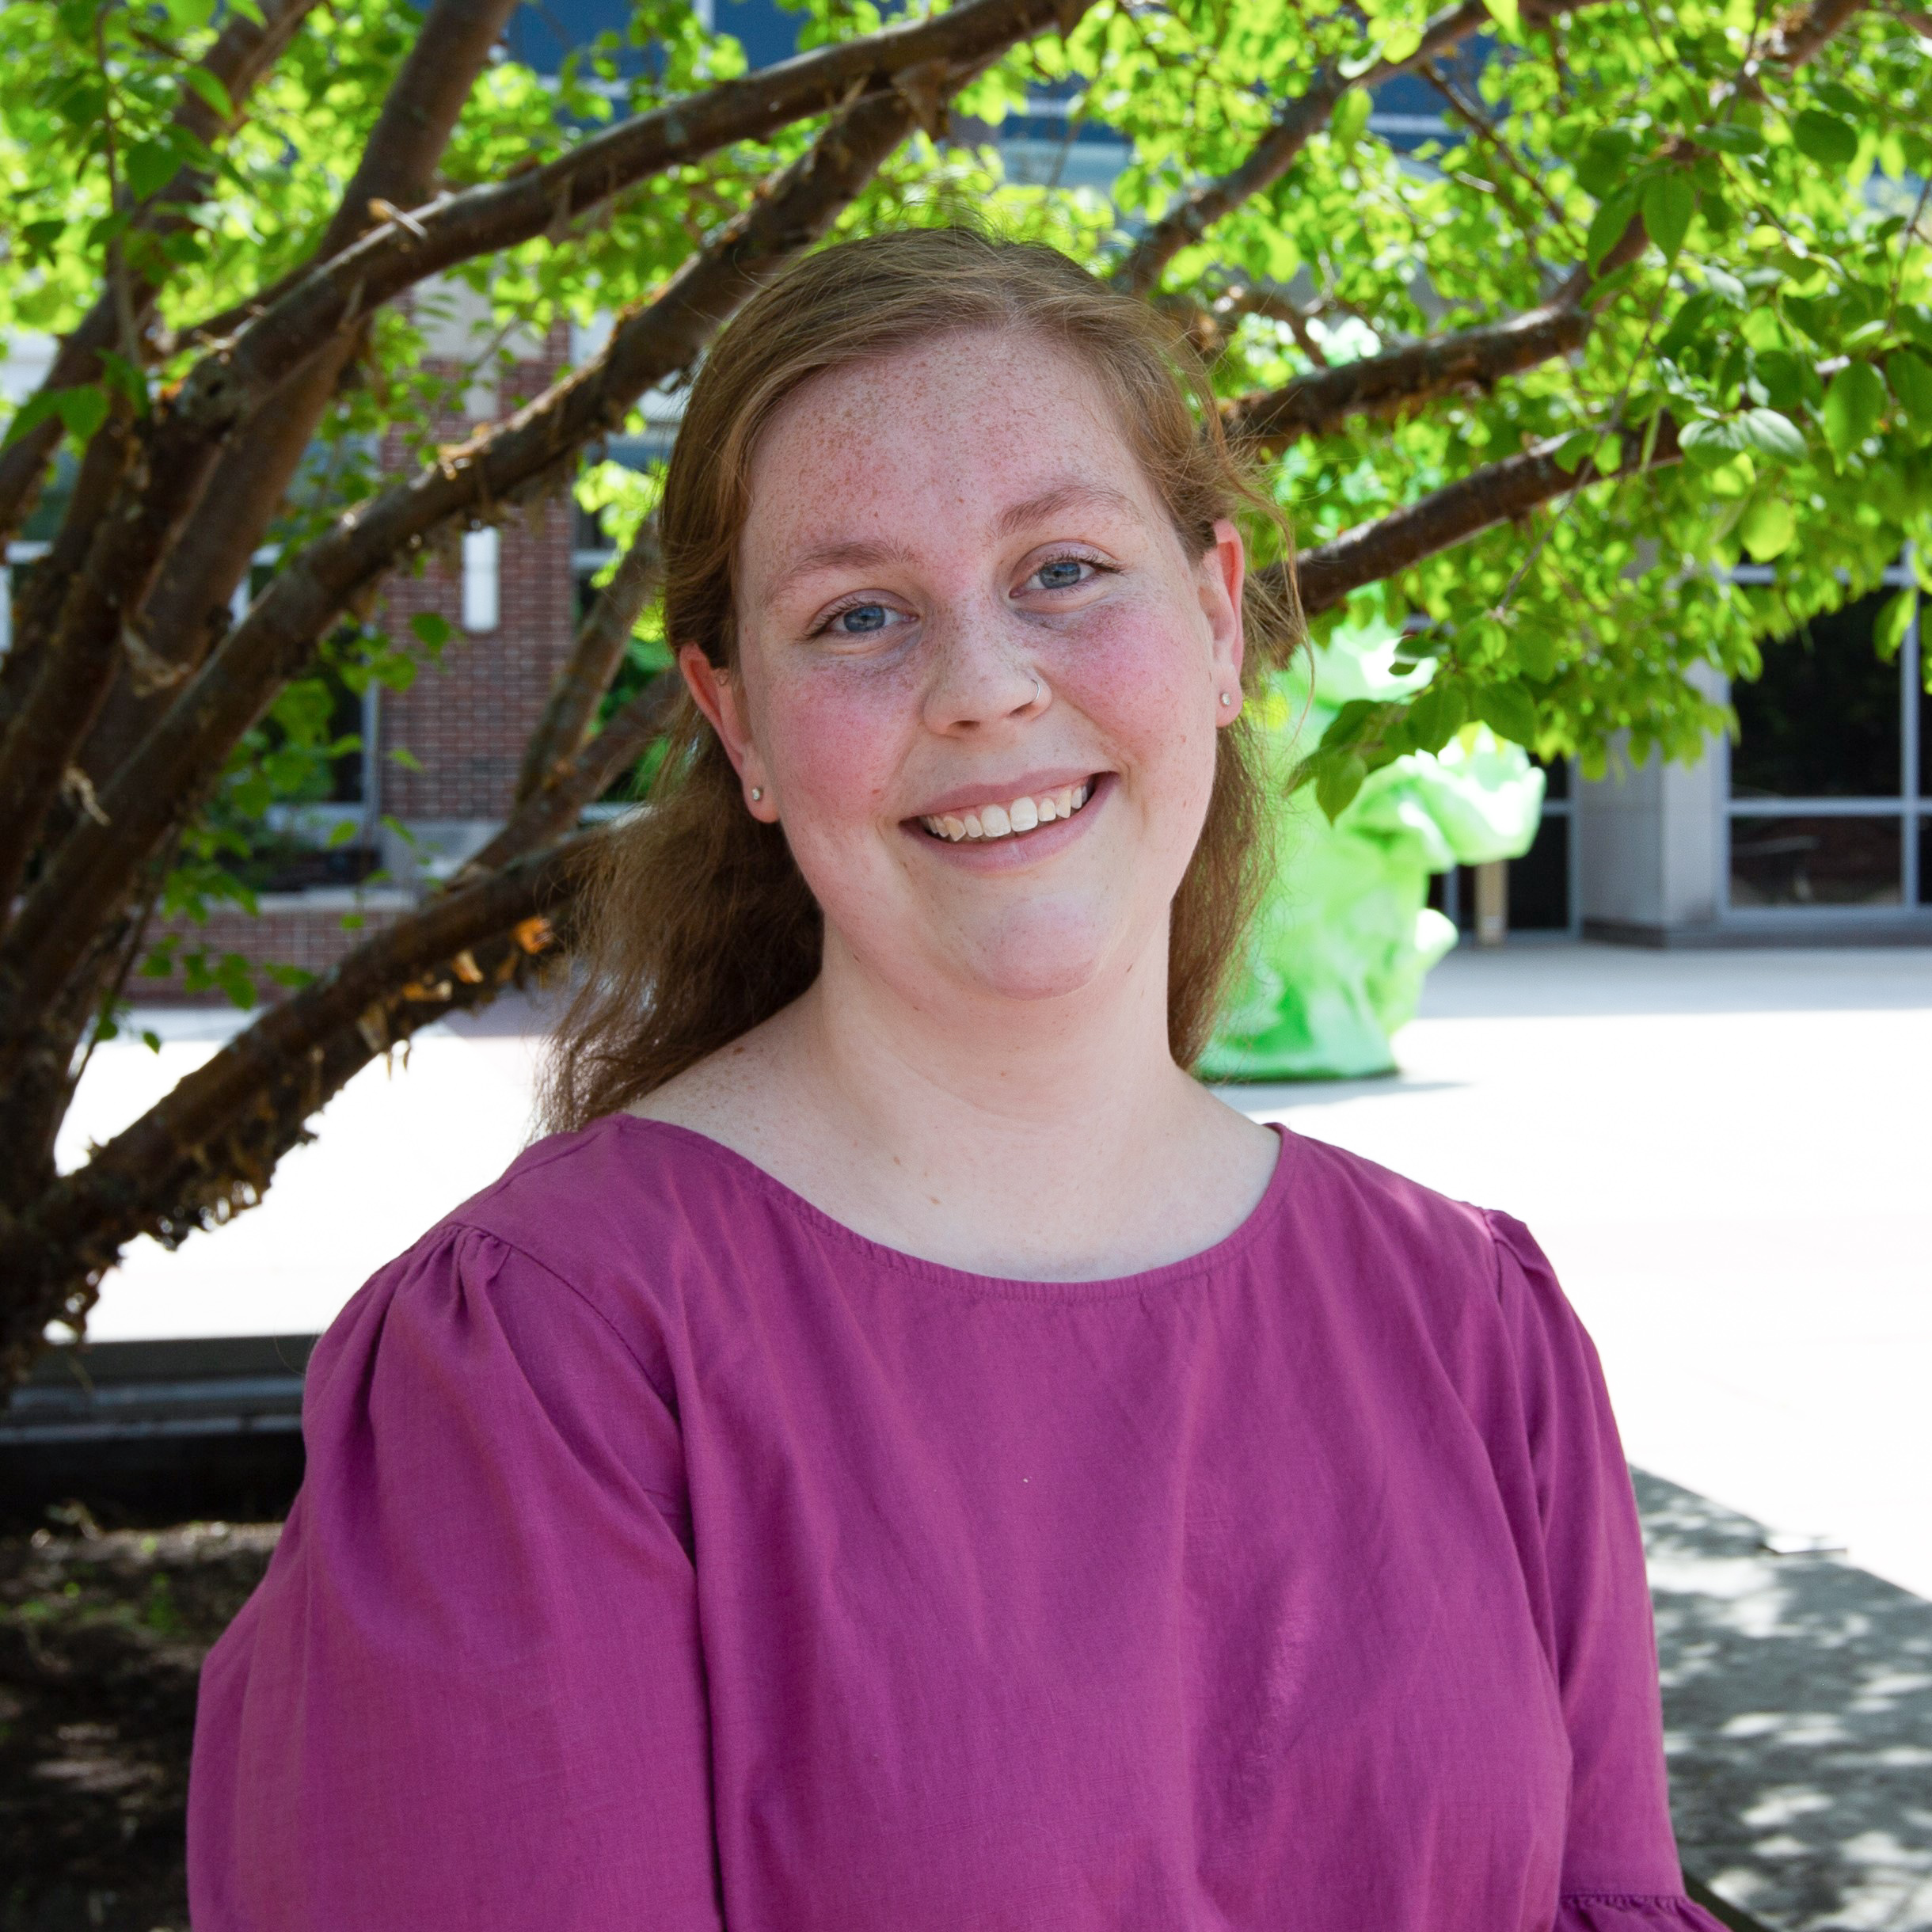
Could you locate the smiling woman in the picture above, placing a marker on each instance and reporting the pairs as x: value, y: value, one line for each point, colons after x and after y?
x: 904, y: 1456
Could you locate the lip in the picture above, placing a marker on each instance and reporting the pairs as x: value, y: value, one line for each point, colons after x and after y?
x: 1028, y: 848
x: 1028, y: 784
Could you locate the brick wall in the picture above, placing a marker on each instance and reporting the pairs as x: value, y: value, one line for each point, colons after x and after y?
x: 302, y: 930
x: 465, y: 718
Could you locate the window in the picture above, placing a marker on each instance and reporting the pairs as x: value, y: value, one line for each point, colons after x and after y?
x: 1828, y: 804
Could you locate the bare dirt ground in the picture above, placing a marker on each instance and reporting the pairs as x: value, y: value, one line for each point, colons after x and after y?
x: 101, y: 1638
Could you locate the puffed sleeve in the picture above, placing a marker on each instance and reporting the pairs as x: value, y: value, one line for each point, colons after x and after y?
x: 1585, y: 1566
x: 470, y: 1690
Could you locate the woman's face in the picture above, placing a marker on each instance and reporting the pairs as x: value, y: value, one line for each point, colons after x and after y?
x: 980, y: 675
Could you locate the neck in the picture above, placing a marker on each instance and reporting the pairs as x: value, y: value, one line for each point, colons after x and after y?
x: 1043, y: 1110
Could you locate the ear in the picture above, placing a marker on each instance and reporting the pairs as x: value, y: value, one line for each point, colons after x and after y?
x: 1222, y: 571
x: 720, y: 697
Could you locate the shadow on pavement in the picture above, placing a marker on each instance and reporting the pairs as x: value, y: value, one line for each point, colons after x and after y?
x: 1797, y: 1708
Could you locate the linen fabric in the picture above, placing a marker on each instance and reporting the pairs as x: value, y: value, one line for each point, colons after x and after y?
x: 673, y: 1556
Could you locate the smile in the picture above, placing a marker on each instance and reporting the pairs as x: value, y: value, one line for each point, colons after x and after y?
x: 1013, y: 820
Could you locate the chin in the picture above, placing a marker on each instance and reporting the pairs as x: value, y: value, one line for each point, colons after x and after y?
x: 1039, y: 958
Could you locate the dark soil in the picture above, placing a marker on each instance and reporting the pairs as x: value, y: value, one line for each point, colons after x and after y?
x: 101, y: 1638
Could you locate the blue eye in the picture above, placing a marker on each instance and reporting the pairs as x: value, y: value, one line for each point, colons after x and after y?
x: 862, y: 618
x: 1061, y: 574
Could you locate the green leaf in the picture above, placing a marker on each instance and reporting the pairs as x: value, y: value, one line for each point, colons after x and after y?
x: 1774, y: 434
x: 1608, y: 455
x: 1604, y: 159
x: 1766, y: 528
x: 1336, y: 782
x: 211, y: 91
x: 1730, y: 138
x: 1348, y: 724
x: 1853, y: 405
x: 1824, y: 138
x: 341, y: 834
x: 432, y: 630
x: 150, y: 167
x: 1574, y: 447
x: 1613, y: 216
x: 1911, y: 377
x: 1399, y: 42
x: 1894, y: 620
x: 1509, y: 710
x: 1788, y: 380
x: 1437, y: 714
x: 1688, y: 326
x: 1504, y: 12
x: 32, y: 413
x: 1712, y: 442
x: 1669, y: 202
x: 84, y: 409
x: 1350, y: 117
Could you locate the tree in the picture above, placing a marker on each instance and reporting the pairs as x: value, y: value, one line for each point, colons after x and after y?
x: 1655, y: 303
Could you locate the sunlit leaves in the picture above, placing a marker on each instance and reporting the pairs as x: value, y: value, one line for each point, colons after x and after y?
x: 1825, y: 139
x: 1853, y: 405
x: 1668, y: 203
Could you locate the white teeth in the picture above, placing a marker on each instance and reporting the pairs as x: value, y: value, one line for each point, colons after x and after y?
x: 1020, y: 815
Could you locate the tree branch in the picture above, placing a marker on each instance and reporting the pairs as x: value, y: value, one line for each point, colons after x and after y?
x: 593, y: 662
x: 209, y: 1147
x: 1495, y: 494
x: 241, y: 55
x: 238, y: 375
x: 1825, y: 18
x: 1317, y: 402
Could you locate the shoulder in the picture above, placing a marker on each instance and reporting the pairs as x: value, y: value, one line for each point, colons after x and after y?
x: 1361, y: 1215
x: 1392, y: 1250
x: 623, y: 1216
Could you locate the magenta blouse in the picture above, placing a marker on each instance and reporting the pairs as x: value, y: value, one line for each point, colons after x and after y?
x: 673, y: 1557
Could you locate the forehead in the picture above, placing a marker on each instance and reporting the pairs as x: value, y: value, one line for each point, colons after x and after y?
x: 931, y: 443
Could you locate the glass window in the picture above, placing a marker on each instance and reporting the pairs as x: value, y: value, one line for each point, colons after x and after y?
x: 1822, y: 720
x: 1539, y: 881
x: 1816, y: 862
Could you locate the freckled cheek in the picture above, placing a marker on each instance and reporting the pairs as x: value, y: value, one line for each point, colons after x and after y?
x: 835, y: 744
x: 1142, y: 684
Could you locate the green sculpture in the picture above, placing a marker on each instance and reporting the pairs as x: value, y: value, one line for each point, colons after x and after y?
x: 1344, y: 936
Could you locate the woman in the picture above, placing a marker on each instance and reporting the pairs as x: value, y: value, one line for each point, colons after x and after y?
x: 906, y: 1456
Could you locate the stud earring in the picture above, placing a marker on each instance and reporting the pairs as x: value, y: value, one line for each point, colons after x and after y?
x: 1225, y: 699
x: 758, y: 792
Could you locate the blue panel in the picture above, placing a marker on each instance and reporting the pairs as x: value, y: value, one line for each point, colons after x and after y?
x: 768, y: 33
x: 541, y: 32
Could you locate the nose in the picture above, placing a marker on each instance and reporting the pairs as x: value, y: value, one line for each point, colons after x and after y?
x: 982, y: 672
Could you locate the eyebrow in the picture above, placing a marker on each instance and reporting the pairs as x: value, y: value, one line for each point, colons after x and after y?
x: 856, y: 555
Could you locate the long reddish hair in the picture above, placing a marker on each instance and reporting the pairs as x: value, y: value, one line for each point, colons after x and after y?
x: 695, y: 923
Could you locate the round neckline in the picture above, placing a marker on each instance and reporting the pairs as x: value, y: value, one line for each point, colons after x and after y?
x: 1230, y: 1247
